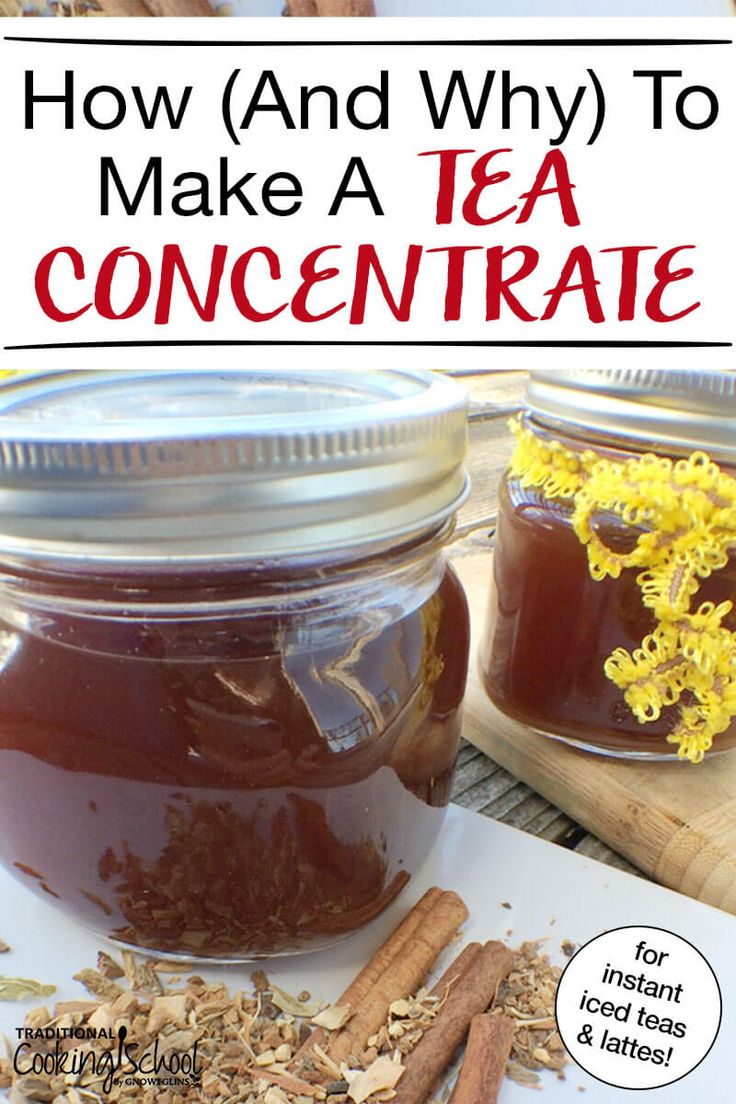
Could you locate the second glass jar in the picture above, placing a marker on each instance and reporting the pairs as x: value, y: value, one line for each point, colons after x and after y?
x: 562, y: 637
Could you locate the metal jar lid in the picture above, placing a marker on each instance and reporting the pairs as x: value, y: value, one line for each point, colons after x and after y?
x: 164, y: 465
x: 673, y: 410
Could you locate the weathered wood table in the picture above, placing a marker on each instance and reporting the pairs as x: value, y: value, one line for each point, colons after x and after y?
x: 480, y: 784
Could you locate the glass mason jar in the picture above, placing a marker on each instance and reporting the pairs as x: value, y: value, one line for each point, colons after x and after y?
x: 611, y: 623
x: 232, y: 656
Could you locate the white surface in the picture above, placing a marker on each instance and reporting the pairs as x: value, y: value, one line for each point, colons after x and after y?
x: 553, y: 893
x: 516, y: 7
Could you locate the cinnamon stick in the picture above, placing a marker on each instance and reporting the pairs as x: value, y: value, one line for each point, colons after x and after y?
x: 471, y: 995
x: 157, y: 7
x: 126, y: 8
x: 484, y: 1064
x: 179, y: 7
x: 331, y: 7
x: 361, y: 985
x: 287, y: 1082
x: 346, y: 7
x: 456, y: 969
x: 403, y: 976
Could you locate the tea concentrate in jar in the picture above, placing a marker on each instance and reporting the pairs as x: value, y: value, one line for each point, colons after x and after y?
x: 611, y: 623
x: 232, y: 657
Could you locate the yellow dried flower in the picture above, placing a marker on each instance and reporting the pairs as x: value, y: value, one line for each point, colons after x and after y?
x: 686, y: 513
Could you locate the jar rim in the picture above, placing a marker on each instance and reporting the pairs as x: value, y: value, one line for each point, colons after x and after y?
x: 169, y: 591
x: 675, y: 410
x: 210, y: 466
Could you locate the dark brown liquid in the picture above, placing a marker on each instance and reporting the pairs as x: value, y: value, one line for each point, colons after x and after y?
x: 230, y: 807
x: 552, y: 627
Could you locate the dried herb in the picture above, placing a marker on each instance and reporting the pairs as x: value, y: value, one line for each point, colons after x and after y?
x: 292, y: 1006
x: 251, y: 1047
x: 382, y: 1074
x: 333, y: 1017
x: 98, y: 985
x: 18, y: 989
x: 527, y: 996
x: 108, y: 967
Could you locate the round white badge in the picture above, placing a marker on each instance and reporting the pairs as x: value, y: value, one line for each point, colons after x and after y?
x: 638, y: 1007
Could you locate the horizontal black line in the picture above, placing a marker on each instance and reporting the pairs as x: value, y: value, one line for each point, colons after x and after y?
x: 378, y: 42
x: 540, y: 344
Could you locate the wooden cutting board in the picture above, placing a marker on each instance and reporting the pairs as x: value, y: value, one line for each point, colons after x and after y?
x: 675, y: 821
